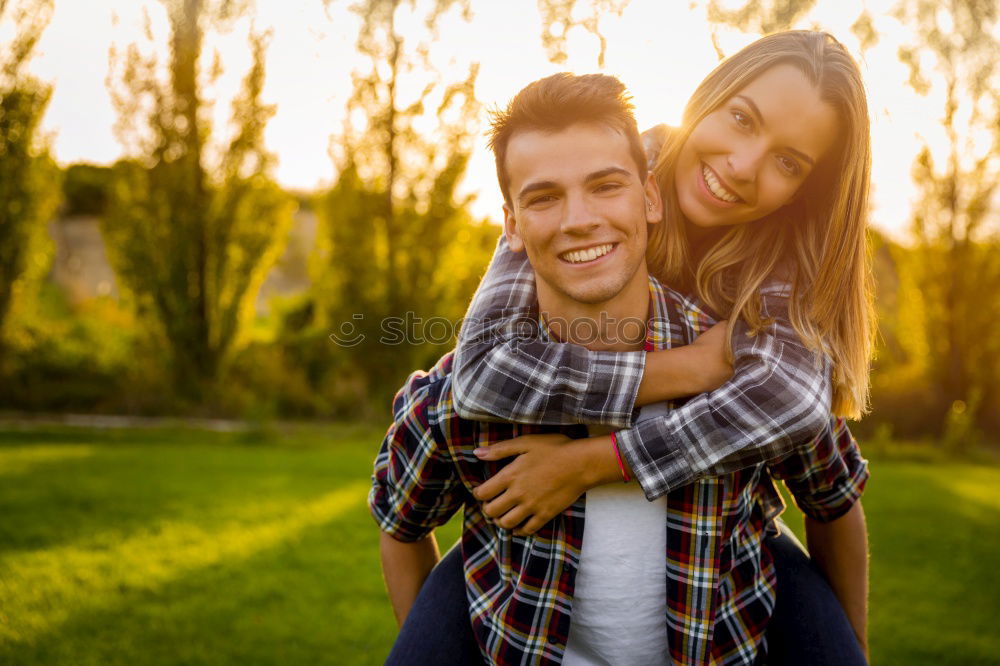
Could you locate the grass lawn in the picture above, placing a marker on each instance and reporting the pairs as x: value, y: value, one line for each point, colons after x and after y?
x: 191, y: 547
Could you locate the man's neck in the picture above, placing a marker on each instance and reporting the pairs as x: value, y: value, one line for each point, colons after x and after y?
x: 615, y: 325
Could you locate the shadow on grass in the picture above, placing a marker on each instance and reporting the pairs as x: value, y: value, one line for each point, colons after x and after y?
x: 56, y: 490
x: 315, y: 598
x: 314, y: 594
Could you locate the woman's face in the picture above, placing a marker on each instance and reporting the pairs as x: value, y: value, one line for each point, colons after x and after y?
x: 748, y: 157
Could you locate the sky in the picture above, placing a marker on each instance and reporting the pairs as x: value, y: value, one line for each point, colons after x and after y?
x: 661, y: 50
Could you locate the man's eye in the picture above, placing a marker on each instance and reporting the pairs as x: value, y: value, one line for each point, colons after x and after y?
x: 790, y: 166
x: 742, y: 119
x: 541, y: 200
x: 608, y: 187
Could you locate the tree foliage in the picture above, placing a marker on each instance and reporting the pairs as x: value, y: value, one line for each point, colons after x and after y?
x: 29, y: 183
x: 393, y: 216
x: 559, y: 17
x: 760, y: 17
x: 955, y: 51
x: 190, y: 236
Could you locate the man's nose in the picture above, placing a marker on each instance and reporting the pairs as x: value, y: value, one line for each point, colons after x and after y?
x: 579, y: 217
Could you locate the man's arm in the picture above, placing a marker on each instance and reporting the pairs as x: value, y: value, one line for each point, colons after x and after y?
x: 415, y: 486
x: 405, y: 567
x: 840, y: 549
x: 826, y: 480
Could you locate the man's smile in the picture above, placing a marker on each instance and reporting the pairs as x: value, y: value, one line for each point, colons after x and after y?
x: 588, y: 254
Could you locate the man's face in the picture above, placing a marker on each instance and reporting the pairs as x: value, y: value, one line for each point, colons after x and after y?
x: 580, y: 210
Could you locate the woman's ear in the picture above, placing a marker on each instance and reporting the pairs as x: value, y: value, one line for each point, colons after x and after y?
x: 510, y: 230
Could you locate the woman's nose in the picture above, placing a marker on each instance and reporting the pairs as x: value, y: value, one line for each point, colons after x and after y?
x: 745, y: 163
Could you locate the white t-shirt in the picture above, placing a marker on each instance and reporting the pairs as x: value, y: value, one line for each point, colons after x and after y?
x: 620, y: 596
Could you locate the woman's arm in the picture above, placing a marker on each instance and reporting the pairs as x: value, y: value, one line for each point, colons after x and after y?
x: 505, y: 371
x: 778, y: 398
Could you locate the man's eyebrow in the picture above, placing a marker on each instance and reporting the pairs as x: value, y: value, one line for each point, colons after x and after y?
x: 760, y: 119
x: 534, y: 187
x: 551, y: 185
x: 604, y: 173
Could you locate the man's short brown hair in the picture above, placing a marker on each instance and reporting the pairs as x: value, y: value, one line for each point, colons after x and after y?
x: 559, y: 101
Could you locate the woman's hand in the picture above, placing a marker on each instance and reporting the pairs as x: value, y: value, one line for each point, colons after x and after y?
x: 714, y: 363
x: 681, y: 372
x: 549, y: 473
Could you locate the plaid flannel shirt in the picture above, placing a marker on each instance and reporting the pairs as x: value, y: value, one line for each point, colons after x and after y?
x: 720, y: 579
x: 778, y: 398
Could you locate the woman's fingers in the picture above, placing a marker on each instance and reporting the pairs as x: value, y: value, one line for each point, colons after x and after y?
x: 490, y: 488
x: 532, y: 525
x: 517, y: 446
x: 499, y: 451
x: 513, y: 518
x: 498, y: 506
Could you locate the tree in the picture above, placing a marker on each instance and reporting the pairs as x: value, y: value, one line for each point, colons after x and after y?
x: 394, y: 215
x: 559, y: 17
x: 761, y: 17
x: 29, y: 183
x: 191, y: 237
x: 955, y: 50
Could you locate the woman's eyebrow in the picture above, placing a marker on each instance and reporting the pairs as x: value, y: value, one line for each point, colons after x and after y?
x: 755, y: 110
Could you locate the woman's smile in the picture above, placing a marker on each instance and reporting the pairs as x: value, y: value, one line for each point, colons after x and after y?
x: 716, y: 189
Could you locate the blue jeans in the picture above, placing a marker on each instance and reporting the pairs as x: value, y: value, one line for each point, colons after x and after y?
x: 437, y: 631
x: 808, y: 625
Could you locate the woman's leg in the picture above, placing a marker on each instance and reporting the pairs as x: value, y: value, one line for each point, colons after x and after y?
x: 437, y: 630
x: 809, y: 625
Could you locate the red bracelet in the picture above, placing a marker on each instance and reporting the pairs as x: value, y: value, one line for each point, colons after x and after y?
x: 618, y: 457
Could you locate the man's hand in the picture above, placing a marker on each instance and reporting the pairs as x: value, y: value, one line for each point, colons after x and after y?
x: 548, y: 475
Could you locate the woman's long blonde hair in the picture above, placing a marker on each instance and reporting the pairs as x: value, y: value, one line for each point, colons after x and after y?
x: 817, y: 243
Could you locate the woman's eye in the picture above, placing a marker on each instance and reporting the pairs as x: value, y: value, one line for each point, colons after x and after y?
x: 789, y: 165
x: 607, y: 187
x: 742, y: 119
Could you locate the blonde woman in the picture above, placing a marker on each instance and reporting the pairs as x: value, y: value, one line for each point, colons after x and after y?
x: 765, y: 189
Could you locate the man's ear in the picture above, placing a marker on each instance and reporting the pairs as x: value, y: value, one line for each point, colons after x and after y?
x: 510, y: 230
x: 654, y: 202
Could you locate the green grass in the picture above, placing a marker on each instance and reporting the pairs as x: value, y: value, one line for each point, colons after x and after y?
x: 189, y: 547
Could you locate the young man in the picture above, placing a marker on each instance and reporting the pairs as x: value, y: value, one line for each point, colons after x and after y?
x: 574, y: 168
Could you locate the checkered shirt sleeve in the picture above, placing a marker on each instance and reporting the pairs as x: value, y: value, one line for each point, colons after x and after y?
x: 415, y: 485
x: 504, y: 371
x: 777, y: 399
x: 827, y: 476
